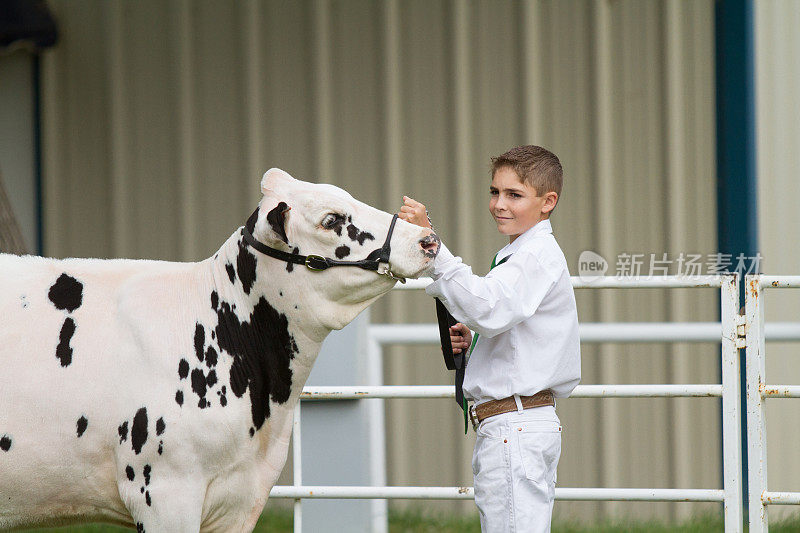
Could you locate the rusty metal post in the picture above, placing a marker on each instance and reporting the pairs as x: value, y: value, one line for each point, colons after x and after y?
x: 731, y: 399
x: 297, y: 467
x: 756, y: 416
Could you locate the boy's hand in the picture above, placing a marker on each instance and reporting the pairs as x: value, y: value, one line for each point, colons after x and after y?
x: 414, y: 212
x: 460, y: 337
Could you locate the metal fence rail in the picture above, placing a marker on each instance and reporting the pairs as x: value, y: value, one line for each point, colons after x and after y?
x: 467, y: 493
x: 724, y: 332
x: 757, y: 391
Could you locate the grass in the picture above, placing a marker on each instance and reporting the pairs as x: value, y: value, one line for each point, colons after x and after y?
x: 280, y: 521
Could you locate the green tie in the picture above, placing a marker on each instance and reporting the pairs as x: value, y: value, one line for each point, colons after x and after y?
x: 474, y: 342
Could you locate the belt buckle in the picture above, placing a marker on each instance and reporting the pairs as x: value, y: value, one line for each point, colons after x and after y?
x: 473, y: 417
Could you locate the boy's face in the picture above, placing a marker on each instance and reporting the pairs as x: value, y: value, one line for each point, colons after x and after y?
x: 514, y: 204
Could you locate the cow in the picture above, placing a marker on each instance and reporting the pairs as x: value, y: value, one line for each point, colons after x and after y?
x: 160, y: 395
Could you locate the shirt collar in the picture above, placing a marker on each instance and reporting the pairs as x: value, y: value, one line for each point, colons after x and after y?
x: 541, y: 227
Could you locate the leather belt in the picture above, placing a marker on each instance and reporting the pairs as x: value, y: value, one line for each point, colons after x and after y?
x: 479, y: 413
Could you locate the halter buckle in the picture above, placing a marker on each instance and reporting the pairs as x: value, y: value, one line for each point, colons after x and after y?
x: 322, y: 263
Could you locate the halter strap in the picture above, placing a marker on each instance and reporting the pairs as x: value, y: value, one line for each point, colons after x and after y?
x: 377, y: 260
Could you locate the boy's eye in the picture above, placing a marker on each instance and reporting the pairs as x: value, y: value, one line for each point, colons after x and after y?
x: 331, y: 219
x: 493, y: 192
x: 515, y: 195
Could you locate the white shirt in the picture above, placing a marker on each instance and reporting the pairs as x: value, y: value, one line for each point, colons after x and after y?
x: 525, y: 312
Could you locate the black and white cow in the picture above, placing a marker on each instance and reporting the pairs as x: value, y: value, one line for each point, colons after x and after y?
x: 160, y: 395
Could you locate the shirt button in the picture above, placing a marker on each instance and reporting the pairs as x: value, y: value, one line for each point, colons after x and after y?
x: 519, y: 429
x: 505, y: 440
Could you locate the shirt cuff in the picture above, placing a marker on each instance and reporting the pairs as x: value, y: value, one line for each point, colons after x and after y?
x: 443, y: 261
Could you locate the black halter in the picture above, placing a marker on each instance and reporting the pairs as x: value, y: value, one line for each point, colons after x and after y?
x: 377, y: 260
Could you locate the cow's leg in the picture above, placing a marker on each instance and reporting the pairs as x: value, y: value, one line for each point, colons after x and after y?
x: 164, y: 504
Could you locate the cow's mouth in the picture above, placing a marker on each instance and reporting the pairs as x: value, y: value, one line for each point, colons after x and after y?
x: 430, y: 245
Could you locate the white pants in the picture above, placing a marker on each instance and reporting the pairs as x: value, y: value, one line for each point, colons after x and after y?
x: 514, y: 463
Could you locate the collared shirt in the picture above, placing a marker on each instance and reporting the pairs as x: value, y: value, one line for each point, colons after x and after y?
x: 525, y: 312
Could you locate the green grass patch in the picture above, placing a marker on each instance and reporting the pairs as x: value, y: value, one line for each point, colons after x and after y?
x: 411, y: 521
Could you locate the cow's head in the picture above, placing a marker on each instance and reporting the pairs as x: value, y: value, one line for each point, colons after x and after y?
x: 321, y: 219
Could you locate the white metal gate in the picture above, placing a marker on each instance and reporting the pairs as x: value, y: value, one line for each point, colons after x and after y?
x: 727, y: 331
x: 757, y: 391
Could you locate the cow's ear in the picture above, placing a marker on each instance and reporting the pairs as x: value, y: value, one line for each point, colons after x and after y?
x: 273, y: 179
x: 276, y: 221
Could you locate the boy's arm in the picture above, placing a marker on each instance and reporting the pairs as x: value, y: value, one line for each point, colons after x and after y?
x: 490, y: 305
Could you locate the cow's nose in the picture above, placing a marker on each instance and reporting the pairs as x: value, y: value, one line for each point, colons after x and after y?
x: 430, y: 244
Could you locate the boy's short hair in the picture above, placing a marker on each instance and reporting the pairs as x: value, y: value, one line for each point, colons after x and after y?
x: 536, y: 166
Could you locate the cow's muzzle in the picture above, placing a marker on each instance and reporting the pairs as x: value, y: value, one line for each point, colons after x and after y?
x: 430, y: 245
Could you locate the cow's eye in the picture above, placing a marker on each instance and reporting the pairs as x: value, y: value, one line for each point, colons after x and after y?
x: 331, y: 220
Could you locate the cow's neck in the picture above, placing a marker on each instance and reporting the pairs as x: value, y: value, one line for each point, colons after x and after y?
x: 273, y: 307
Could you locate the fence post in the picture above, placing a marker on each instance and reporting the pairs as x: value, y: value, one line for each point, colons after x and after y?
x: 297, y: 466
x: 756, y: 428
x: 731, y: 398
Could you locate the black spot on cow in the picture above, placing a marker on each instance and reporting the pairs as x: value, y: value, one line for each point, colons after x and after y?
x: 123, y: 432
x: 160, y: 447
x: 183, y: 368
x: 214, y: 299
x: 199, y: 386
x: 139, y: 430
x: 262, y: 349
x: 295, y: 307
x: 223, y: 400
x: 251, y: 221
x: 342, y: 251
x: 66, y: 293
x: 211, y: 378
x: 356, y: 234
x: 246, y: 267
x: 289, y: 264
x: 277, y: 220
x: 280, y: 293
x: 147, y: 498
x: 231, y: 272
x: 337, y: 226
x: 179, y: 397
x: 64, y: 350
x: 252, y: 432
x: 130, y: 473
x: 147, y: 470
x: 5, y: 443
x: 211, y: 354
x: 199, y: 340
x: 82, y: 425
x: 141, y: 489
x: 139, y: 527
x: 160, y: 427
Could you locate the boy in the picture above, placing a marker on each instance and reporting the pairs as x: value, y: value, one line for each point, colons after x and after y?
x: 527, y: 348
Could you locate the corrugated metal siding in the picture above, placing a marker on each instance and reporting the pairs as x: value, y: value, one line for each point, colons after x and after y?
x: 778, y: 164
x: 161, y: 116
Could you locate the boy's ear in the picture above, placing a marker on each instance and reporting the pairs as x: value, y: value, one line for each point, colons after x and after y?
x: 550, y: 201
